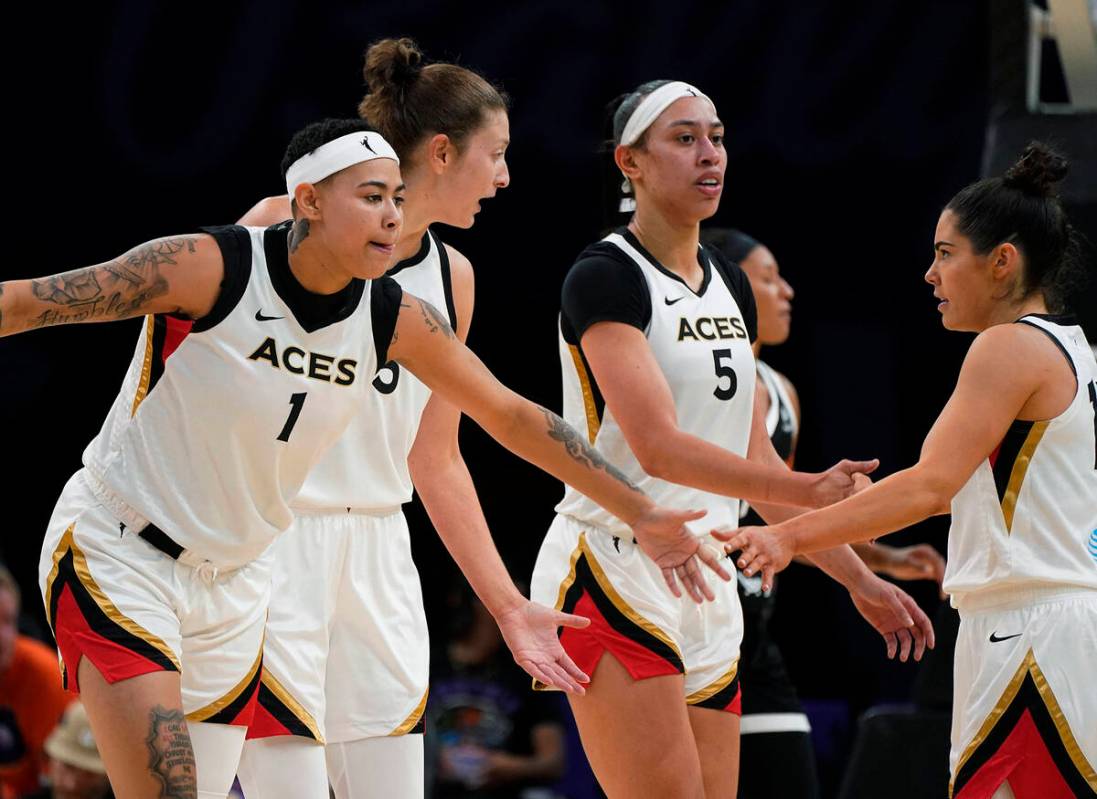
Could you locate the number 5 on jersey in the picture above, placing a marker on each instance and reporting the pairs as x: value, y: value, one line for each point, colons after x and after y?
x: 721, y: 360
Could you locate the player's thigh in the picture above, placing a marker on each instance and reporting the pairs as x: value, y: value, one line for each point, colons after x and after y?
x: 637, y: 734
x: 388, y: 767
x: 716, y: 733
x: 141, y: 733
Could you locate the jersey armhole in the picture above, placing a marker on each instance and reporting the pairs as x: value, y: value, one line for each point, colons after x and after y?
x: 1059, y: 344
x: 235, y: 244
x: 385, y: 297
x: 741, y: 291
x: 447, y: 279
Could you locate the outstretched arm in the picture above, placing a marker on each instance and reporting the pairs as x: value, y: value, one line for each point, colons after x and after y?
x: 177, y: 274
x: 990, y: 393
x: 424, y: 343
x: 635, y: 389
x: 445, y: 486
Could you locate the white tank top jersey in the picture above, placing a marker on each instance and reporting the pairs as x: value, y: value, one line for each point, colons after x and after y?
x: 356, y: 473
x: 1027, y: 517
x: 702, y: 345
x: 781, y: 424
x: 219, y: 420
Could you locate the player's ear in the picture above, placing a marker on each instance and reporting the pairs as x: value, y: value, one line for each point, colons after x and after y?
x: 306, y: 202
x: 441, y: 153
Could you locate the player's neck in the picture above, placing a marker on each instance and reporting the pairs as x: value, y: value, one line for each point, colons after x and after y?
x: 1010, y: 312
x: 674, y: 245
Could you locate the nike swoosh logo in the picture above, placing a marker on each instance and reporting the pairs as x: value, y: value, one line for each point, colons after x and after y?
x: 260, y: 318
x: 669, y: 301
x: 995, y: 639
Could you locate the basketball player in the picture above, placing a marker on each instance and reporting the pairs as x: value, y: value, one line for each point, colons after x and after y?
x: 776, y: 755
x: 354, y: 675
x: 259, y: 346
x: 656, y: 335
x: 1015, y: 453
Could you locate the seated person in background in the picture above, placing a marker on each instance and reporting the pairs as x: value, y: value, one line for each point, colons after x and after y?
x: 489, y: 734
x: 75, y: 768
x: 31, y: 697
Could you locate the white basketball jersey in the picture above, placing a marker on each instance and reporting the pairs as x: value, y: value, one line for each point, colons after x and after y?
x: 218, y: 421
x: 1027, y: 517
x: 367, y: 468
x: 700, y: 342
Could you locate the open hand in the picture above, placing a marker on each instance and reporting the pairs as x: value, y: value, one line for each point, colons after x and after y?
x: 894, y: 615
x: 661, y: 534
x: 529, y: 630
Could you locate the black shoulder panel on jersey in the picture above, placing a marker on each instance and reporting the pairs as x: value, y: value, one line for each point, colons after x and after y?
x: 739, y: 285
x: 420, y: 254
x: 604, y: 285
x: 235, y: 244
x: 1046, y: 332
x: 385, y: 296
x: 447, y: 280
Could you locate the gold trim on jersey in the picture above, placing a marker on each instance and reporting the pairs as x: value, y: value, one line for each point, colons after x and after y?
x: 109, y: 609
x: 291, y: 704
x: 714, y: 688
x: 593, y: 422
x: 1020, y: 468
x: 618, y: 602
x: 409, y: 723
x: 215, y: 707
x: 1070, y: 743
x: 565, y: 586
x: 146, y: 365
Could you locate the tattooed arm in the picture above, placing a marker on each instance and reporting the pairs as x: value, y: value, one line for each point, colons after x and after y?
x: 424, y: 344
x: 178, y: 274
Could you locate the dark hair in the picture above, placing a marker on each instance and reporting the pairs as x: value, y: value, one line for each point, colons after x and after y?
x: 318, y: 134
x: 626, y: 104
x: 735, y: 244
x: 408, y: 101
x: 1023, y: 208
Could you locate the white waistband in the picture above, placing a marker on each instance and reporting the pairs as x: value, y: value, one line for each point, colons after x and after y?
x: 1017, y: 596
x: 345, y: 511
x: 773, y: 722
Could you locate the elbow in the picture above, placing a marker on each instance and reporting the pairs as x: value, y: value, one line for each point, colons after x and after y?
x: 937, y: 493
x: 654, y: 460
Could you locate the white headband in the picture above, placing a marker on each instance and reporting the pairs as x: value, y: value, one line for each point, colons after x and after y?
x: 653, y: 105
x: 337, y: 154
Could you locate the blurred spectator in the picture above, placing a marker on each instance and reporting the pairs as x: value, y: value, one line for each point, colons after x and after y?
x: 31, y: 697
x: 489, y: 734
x: 75, y: 769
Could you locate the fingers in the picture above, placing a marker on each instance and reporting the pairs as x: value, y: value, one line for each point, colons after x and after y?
x: 892, y: 644
x: 866, y: 467
x: 713, y: 560
x: 923, y: 625
x: 697, y: 577
x: 688, y: 515
x: 768, y: 573
x: 567, y: 664
x: 726, y: 533
x: 570, y: 620
x: 552, y: 676
x: 672, y: 584
x: 691, y: 586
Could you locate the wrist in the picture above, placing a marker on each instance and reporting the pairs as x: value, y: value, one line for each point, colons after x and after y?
x: 640, y: 507
x: 504, y: 601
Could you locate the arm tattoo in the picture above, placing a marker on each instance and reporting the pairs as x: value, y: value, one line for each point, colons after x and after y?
x: 171, y: 757
x: 580, y: 451
x: 434, y: 319
x: 115, y: 290
x: 298, y: 233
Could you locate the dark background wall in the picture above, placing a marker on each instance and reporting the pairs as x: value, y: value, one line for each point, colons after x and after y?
x: 849, y: 126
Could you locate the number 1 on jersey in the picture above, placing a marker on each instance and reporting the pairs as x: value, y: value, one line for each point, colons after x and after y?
x: 297, y: 402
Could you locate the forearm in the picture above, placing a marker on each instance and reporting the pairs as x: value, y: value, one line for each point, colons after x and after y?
x: 544, y: 439
x: 679, y: 457
x: 896, y: 502
x: 449, y: 496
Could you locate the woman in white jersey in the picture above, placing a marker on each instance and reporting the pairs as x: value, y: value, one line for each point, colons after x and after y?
x: 776, y: 756
x: 258, y: 349
x: 1014, y: 455
x: 354, y: 677
x: 656, y: 336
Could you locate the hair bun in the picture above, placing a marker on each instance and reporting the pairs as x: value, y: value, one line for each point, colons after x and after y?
x: 1037, y: 170
x: 392, y: 64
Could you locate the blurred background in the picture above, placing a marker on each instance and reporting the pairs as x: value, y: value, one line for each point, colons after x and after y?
x: 849, y: 125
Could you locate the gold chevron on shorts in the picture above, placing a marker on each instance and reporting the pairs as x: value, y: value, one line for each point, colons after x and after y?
x: 291, y: 704
x: 1028, y: 666
x: 146, y: 364
x: 619, y: 602
x: 215, y: 707
x: 716, y: 687
x: 1020, y: 468
x: 568, y: 581
x: 593, y: 422
x: 109, y: 609
x: 408, y: 724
